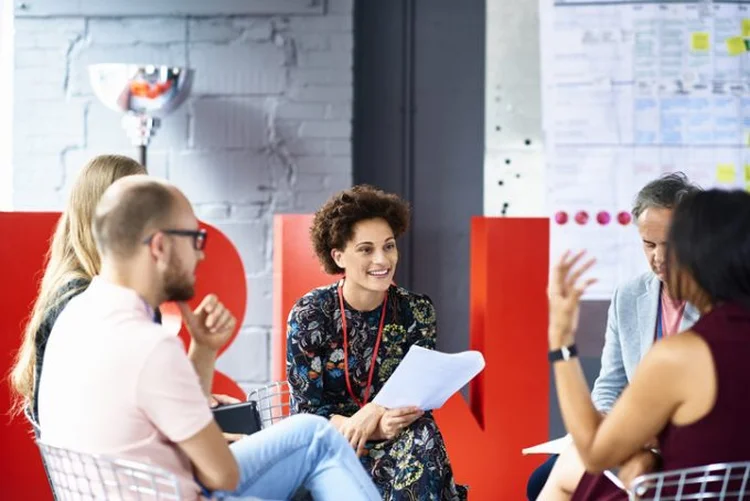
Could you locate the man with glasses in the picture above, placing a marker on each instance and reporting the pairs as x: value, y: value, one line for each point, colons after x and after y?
x: 115, y: 383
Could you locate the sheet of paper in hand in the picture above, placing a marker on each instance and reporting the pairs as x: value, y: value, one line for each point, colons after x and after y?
x: 427, y: 378
x: 552, y: 447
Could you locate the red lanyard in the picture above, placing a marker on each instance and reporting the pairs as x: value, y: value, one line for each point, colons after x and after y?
x: 346, y: 347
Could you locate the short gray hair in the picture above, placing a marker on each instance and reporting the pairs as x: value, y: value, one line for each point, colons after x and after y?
x: 663, y: 193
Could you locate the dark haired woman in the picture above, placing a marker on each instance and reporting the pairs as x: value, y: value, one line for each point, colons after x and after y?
x: 689, y: 390
x: 344, y: 341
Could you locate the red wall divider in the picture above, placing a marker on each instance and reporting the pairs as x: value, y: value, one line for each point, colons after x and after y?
x: 23, y: 246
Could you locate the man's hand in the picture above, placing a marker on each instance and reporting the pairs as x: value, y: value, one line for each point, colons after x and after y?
x: 218, y: 399
x: 210, y: 325
x: 395, y: 420
x: 233, y: 437
x: 358, y: 429
x: 641, y: 463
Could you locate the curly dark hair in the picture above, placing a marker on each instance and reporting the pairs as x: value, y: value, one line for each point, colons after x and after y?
x: 333, y: 225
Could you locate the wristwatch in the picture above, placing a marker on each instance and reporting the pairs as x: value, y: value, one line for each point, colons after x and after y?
x: 564, y: 353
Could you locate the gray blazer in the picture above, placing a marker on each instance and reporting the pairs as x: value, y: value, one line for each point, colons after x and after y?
x: 631, y: 328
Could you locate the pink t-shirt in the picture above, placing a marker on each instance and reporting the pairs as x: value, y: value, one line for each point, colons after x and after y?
x: 116, y: 383
x: 671, y: 314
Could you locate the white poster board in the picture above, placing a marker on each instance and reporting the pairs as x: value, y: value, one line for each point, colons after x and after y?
x: 632, y: 90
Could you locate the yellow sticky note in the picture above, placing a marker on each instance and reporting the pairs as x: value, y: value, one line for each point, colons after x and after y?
x: 736, y: 46
x: 747, y: 173
x: 746, y: 27
x: 726, y: 173
x: 700, y: 41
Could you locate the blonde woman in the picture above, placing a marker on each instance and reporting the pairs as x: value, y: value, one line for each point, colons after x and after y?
x: 72, y: 261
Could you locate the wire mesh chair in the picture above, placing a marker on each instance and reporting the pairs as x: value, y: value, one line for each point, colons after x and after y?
x: 88, y: 477
x: 721, y: 481
x: 273, y: 406
x: 32, y: 421
x: 37, y: 433
x: 273, y: 402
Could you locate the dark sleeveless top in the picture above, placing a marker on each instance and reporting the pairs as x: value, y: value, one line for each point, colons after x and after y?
x: 63, y: 297
x: 723, y: 435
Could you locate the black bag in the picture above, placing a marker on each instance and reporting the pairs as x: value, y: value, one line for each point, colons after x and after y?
x: 241, y: 418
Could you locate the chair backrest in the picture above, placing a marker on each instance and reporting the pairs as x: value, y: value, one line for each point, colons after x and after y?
x: 31, y: 420
x: 721, y: 481
x: 79, y: 476
x: 273, y: 402
x: 37, y: 433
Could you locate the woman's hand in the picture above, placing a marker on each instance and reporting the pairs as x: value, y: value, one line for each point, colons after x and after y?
x: 565, y: 291
x: 641, y: 463
x: 395, y: 420
x: 358, y: 428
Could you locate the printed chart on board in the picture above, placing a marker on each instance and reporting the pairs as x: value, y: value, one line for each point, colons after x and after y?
x: 632, y: 90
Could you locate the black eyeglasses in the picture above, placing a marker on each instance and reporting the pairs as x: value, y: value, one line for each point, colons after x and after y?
x: 199, y: 237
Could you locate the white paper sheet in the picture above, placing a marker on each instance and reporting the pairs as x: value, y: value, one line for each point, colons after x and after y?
x: 558, y: 445
x: 552, y: 447
x: 427, y: 378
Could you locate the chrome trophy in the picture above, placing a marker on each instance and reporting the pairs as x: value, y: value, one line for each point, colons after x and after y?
x: 145, y: 93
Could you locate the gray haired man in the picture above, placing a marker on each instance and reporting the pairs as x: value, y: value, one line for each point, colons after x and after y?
x: 641, y: 311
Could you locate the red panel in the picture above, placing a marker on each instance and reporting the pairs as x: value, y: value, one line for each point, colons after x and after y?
x: 296, y: 271
x: 508, y: 323
x: 24, y: 242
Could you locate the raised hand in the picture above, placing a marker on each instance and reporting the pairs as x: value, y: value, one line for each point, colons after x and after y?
x: 565, y: 290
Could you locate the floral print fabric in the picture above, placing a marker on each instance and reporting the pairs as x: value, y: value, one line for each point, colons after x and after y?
x: 413, y: 466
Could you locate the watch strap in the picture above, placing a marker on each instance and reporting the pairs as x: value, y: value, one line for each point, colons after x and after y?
x: 564, y: 353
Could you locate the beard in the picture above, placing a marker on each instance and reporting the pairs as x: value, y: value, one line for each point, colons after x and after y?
x: 178, y: 284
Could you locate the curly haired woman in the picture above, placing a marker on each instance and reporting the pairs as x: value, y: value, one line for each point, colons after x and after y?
x: 345, y: 340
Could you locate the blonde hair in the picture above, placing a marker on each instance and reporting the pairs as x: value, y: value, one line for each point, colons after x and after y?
x: 72, y: 255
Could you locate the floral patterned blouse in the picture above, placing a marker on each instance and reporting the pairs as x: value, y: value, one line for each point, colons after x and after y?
x: 414, y: 465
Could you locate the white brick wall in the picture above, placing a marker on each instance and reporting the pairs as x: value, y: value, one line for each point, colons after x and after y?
x: 267, y: 129
x: 6, y: 104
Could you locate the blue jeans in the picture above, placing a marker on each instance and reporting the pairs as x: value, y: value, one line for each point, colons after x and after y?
x: 539, y: 477
x: 301, y: 450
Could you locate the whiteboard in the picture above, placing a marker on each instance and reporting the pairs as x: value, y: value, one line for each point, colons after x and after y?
x: 631, y: 90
